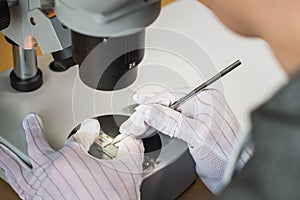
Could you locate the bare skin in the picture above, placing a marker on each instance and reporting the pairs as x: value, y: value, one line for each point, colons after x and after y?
x: 275, y: 21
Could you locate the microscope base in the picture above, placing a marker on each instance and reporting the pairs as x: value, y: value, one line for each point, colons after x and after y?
x: 171, y: 181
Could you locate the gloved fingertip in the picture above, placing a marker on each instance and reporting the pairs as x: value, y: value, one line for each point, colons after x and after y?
x: 124, y: 129
x: 132, y: 144
x: 137, y: 98
x: 32, y: 119
x: 144, y: 98
x: 92, y: 124
x: 87, y: 133
x: 136, y: 124
x: 142, y: 108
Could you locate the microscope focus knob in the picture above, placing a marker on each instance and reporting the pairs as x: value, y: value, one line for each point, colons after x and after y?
x: 4, y: 15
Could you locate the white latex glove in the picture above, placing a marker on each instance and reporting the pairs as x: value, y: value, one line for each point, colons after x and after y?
x: 71, y: 173
x: 205, y: 122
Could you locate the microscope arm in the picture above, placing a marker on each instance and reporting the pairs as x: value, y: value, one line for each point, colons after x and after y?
x: 29, y: 19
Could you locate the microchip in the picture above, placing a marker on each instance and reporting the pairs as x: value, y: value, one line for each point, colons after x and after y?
x: 105, y: 144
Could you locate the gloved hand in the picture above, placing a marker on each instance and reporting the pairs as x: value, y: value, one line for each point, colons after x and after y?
x: 205, y: 122
x: 71, y: 173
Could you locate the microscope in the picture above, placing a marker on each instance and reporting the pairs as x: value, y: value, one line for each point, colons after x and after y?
x: 102, y: 43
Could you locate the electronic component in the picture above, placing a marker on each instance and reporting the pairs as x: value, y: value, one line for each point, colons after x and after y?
x: 107, y: 149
